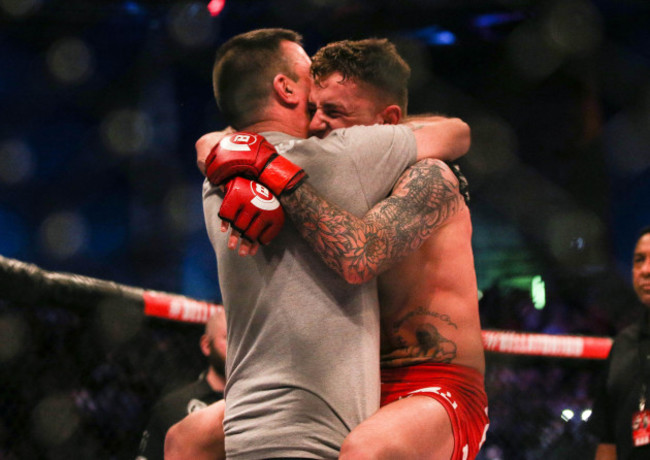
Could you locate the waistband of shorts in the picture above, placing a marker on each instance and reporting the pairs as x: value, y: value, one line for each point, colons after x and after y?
x: 423, y: 372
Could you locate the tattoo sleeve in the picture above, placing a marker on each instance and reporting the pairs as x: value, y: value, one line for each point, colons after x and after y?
x: 360, y: 248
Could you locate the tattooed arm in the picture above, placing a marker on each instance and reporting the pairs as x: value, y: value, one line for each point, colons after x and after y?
x: 360, y: 248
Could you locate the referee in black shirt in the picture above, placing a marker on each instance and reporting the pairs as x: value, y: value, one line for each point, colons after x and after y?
x: 174, y: 406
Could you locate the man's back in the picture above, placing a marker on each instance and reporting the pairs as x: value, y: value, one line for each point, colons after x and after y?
x: 429, y: 302
x: 303, y: 344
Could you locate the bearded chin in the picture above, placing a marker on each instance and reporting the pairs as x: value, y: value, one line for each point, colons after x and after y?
x: 216, y: 361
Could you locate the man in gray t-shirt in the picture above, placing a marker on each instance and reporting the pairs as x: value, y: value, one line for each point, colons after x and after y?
x: 303, y: 343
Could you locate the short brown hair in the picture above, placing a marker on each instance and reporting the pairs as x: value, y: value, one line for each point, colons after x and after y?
x: 374, y: 61
x: 244, y: 69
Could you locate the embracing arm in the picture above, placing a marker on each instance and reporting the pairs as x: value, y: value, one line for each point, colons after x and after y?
x: 440, y: 137
x: 205, y: 143
x: 436, y: 136
x: 360, y: 248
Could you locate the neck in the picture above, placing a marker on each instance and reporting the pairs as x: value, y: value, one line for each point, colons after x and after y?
x: 278, y: 126
x: 216, y: 381
x: 278, y: 119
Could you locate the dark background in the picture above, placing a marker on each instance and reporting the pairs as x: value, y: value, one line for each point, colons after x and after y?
x: 101, y: 102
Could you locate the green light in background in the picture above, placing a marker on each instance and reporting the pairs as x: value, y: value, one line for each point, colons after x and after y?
x: 538, y: 292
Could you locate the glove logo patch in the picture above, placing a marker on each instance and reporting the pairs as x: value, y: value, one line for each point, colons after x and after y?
x: 263, y: 198
x: 238, y: 142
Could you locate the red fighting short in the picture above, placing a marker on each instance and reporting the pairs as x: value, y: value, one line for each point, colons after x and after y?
x: 461, y: 391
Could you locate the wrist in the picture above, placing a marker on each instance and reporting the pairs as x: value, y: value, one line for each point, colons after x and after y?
x: 281, y: 176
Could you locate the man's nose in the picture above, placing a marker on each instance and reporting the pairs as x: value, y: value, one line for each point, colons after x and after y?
x: 317, y: 125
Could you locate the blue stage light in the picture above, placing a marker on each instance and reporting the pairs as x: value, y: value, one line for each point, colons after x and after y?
x: 133, y: 8
x: 434, y: 35
x: 495, y: 19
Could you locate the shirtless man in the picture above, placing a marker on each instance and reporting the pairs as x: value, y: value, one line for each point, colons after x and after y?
x: 289, y: 393
x: 431, y: 347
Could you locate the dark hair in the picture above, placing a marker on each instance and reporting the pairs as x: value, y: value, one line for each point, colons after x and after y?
x: 643, y: 231
x: 244, y: 69
x: 374, y: 61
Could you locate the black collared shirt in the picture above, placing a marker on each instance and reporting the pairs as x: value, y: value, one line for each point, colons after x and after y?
x: 171, y: 409
x: 619, y: 391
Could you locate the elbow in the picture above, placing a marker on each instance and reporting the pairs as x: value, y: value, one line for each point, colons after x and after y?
x: 468, y: 137
x: 355, y: 277
x: 464, y: 135
x: 200, y: 163
x: 354, y: 281
x: 203, y: 147
x: 205, y: 144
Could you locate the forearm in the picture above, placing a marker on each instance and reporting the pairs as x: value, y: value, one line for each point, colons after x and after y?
x: 424, y: 118
x: 346, y: 243
x: 205, y: 144
x: 440, y: 137
x: 361, y: 248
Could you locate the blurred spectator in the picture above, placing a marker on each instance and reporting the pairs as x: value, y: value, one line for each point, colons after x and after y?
x: 177, y: 404
x: 621, y: 415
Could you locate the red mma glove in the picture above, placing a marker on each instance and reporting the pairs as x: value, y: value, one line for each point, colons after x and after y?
x: 252, y: 210
x: 252, y: 156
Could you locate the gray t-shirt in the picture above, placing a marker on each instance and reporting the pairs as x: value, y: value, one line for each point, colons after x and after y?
x: 303, y: 345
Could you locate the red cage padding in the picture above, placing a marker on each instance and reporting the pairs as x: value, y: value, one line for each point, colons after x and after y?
x: 25, y: 283
x: 521, y: 343
x: 558, y: 346
x: 177, y: 308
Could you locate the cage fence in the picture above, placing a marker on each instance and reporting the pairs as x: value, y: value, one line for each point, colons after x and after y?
x: 83, y: 361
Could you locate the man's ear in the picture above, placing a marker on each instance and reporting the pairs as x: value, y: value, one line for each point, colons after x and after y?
x: 284, y: 88
x: 391, y: 115
x: 204, y: 344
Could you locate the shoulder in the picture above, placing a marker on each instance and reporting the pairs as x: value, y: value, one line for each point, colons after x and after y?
x: 178, y: 394
x: 187, y: 398
x: 431, y: 171
x: 359, y: 131
x: 626, y: 341
x: 629, y: 333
